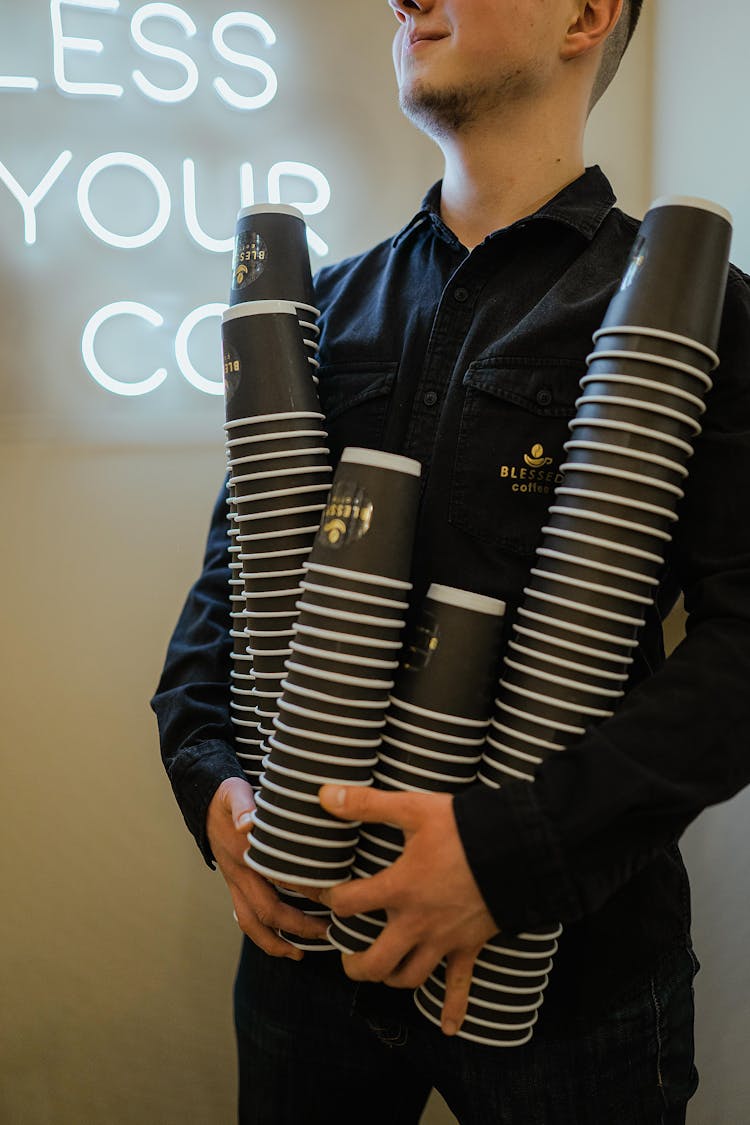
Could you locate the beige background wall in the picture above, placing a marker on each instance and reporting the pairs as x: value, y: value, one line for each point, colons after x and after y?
x: 118, y: 946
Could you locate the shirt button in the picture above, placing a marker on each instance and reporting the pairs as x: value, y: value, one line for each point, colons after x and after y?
x: 544, y: 396
x: 460, y: 294
x: 430, y: 398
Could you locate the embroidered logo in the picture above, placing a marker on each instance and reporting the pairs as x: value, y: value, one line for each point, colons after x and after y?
x: 537, y: 460
x: 532, y: 475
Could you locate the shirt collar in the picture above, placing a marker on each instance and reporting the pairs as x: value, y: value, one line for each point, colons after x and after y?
x: 583, y: 205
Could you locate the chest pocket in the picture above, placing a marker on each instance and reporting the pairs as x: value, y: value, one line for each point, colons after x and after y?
x: 355, y: 399
x: 510, y: 447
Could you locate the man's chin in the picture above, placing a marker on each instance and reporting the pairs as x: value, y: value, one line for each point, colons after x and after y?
x: 438, y: 112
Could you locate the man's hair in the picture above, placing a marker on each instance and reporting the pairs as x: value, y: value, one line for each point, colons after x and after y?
x: 615, y: 47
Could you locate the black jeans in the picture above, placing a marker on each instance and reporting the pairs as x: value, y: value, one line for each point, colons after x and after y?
x: 317, y: 1049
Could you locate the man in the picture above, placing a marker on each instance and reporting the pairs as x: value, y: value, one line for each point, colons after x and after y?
x: 461, y: 343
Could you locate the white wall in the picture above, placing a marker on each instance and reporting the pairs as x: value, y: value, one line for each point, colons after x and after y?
x: 702, y: 90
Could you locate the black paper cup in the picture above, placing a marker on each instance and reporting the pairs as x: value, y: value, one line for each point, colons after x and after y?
x: 258, y: 586
x: 412, y: 761
x: 571, y: 567
x: 475, y: 1032
x: 278, y: 792
x: 375, y: 835
x: 639, y: 387
x: 360, y: 710
x: 506, y: 745
x: 325, y: 596
x: 265, y: 427
x: 625, y: 459
x: 249, y: 484
x: 275, y: 523
x: 250, y: 461
x: 552, y: 700
x: 323, y: 722
x: 613, y: 357
x: 655, y: 521
x: 619, y: 626
x: 345, y: 643
x: 637, y: 412
x: 677, y: 271
x: 369, y: 523
x: 274, y: 816
x: 557, y: 663
x: 280, y: 499
x: 345, y: 940
x: 276, y: 442
x: 330, y: 661
x: 632, y: 529
x: 652, y: 344
x: 359, y: 751
x: 451, y: 654
x: 271, y: 258
x: 365, y: 625
x: 466, y: 744
x: 265, y: 363
x: 592, y: 594
x: 302, y: 782
x: 340, y: 580
x: 299, y: 845
x: 415, y: 779
x: 386, y: 834
x: 284, y: 866
x: 638, y: 486
x: 512, y: 711
x: 436, y: 722
x: 343, y: 682
x: 595, y: 549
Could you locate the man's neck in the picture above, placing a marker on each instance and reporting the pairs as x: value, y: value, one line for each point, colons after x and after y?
x: 501, y: 171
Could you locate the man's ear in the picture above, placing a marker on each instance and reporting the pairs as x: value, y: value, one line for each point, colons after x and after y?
x: 600, y: 23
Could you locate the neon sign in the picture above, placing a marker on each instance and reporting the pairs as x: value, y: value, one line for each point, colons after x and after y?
x: 168, y: 201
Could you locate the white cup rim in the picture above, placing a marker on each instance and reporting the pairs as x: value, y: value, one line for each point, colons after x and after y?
x: 344, y: 658
x: 627, y: 451
x: 632, y: 428
x: 584, y: 564
x: 538, y: 721
x: 282, y: 416
x: 623, y: 474
x: 323, y: 716
x: 357, y: 618
x: 438, y: 736
x: 297, y: 880
x: 348, y: 638
x: 288, y: 857
x: 360, y: 576
x: 259, y: 438
x: 555, y: 747
x: 353, y: 595
x: 605, y: 544
x: 340, y: 677
x: 657, y: 360
x: 364, y: 704
x: 578, y: 607
x: 290, y: 814
x: 256, y: 458
x: 612, y: 498
x: 298, y: 838
x: 594, y: 587
x: 466, y: 599
x: 316, y: 736
x: 378, y: 458
x: 558, y: 662
x: 660, y: 333
x: 554, y: 703
x: 442, y: 716
x: 314, y: 778
x: 272, y: 474
x: 411, y: 749
x: 639, y: 404
x: 597, y: 517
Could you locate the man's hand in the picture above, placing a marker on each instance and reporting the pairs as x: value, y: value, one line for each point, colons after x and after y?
x: 433, y: 904
x: 257, y: 907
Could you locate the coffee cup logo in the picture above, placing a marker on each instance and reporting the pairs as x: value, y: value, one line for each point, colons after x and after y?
x: 232, y: 372
x: 250, y: 259
x: 537, y: 460
x: 347, y: 516
x: 424, y: 641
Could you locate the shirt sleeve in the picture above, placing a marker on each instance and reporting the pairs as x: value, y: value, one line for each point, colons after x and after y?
x: 192, y: 700
x: 555, y: 850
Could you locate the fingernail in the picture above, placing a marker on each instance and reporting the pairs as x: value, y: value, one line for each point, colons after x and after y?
x: 244, y: 820
x: 339, y: 797
x: 449, y: 1027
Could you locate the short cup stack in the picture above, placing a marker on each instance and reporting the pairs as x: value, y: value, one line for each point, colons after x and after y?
x: 611, y: 519
x: 279, y: 472
x: 435, y: 725
x: 345, y: 650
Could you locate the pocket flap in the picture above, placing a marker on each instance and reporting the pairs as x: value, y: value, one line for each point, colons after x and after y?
x: 541, y: 386
x: 344, y: 385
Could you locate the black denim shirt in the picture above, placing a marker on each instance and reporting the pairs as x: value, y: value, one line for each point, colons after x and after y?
x: 465, y: 361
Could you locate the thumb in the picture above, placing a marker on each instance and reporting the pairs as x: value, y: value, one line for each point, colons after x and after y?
x: 237, y: 798
x: 358, y: 802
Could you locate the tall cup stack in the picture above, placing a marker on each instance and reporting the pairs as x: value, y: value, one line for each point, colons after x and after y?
x: 435, y: 725
x: 346, y: 647
x: 611, y: 520
x: 279, y: 471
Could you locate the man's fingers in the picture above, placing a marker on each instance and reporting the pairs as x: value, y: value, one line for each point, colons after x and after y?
x: 358, y: 896
x: 414, y: 969
x: 357, y: 802
x: 459, y: 969
x: 382, y: 958
x: 237, y: 796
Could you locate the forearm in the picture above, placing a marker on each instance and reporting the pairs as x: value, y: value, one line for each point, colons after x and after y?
x: 192, y: 700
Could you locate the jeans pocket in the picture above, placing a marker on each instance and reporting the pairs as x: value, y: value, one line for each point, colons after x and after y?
x: 674, y: 1014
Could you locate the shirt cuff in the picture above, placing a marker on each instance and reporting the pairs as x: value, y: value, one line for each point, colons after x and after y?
x: 515, y: 857
x: 195, y: 774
